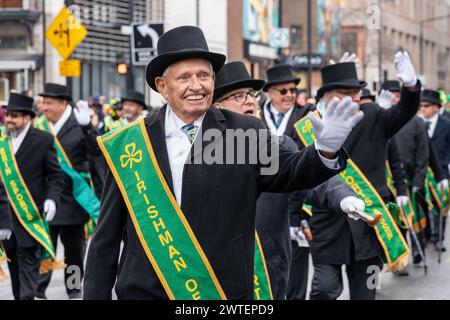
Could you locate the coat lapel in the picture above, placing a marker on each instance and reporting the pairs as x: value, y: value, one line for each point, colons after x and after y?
x: 71, y: 122
x: 26, y: 142
x: 156, y: 132
x: 440, y: 126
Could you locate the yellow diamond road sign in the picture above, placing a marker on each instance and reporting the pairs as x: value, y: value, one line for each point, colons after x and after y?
x: 65, y: 33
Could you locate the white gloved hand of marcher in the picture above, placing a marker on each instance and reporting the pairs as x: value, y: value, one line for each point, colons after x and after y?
x: 384, y: 99
x: 348, y: 58
x: 301, y: 239
x: 336, y: 125
x: 49, y: 209
x: 350, y: 204
x: 5, y: 234
x: 415, y: 189
x: 82, y: 113
x: 293, y: 232
x: 405, y: 69
x: 402, y: 201
x: 443, y: 186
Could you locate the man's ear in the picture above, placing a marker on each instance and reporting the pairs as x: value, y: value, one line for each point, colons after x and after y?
x: 161, y: 86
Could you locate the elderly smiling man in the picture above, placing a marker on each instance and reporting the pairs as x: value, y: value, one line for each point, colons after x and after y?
x: 189, y: 229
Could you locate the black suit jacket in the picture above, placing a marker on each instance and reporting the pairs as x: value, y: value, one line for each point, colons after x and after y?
x: 441, y: 142
x: 39, y: 167
x: 79, y: 143
x: 5, y: 217
x: 219, y: 202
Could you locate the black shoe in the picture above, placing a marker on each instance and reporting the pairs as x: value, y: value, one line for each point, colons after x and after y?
x: 40, y: 296
x: 75, y: 295
x: 401, y: 273
x: 442, y: 247
x: 417, y: 260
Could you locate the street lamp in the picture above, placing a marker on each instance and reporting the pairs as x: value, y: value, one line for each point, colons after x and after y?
x: 422, y: 40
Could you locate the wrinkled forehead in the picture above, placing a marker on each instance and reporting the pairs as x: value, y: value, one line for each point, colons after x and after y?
x: 189, y: 66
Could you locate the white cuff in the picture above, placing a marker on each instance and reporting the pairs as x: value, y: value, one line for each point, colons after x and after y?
x: 332, y: 164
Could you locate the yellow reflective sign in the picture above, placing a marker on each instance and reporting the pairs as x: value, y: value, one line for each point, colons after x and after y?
x: 65, y: 33
x: 70, y: 68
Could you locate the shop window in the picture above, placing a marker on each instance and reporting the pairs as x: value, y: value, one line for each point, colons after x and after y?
x: 10, y: 4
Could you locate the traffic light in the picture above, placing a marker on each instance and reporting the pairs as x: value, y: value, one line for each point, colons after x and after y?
x: 122, y: 68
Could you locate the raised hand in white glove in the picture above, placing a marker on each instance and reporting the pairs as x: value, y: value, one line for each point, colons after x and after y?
x: 336, y: 125
x: 443, y: 186
x: 402, y: 201
x: 293, y: 232
x: 49, y: 209
x: 5, y: 234
x: 405, y: 69
x: 348, y: 58
x: 384, y: 99
x: 82, y: 113
x: 350, y: 204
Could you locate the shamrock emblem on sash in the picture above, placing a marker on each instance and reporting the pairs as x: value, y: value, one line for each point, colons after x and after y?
x: 131, y: 156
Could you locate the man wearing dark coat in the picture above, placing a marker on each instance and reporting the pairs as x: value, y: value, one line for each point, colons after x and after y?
x: 38, y: 165
x: 72, y: 128
x: 218, y: 200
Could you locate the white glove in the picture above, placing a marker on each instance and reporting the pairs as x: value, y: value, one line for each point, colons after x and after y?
x: 348, y: 58
x: 443, y: 186
x: 405, y: 69
x: 336, y: 125
x: 350, y: 204
x: 298, y: 235
x: 5, y: 234
x: 415, y: 189
x: 82, y: 113
x: 384, y: 99
x: 402, y: 201
x: 293, y: 232
x: 49, y: 209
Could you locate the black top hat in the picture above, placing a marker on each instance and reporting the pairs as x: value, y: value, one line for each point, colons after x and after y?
x: 281, y: 73
x: 232, y: 76
x: 392, y: 85
x: 186, y: 42
x: 366, y: 94
x: 340, y: 75
x: 135, y: 96
x: 20, y: 103
x: 57, y: 91
x: 431, y: 96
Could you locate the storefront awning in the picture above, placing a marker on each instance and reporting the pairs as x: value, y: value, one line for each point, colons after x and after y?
x: 21, y: 62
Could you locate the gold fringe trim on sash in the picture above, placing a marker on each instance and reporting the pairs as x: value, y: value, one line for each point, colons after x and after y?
x: 3, y: 275
x: 50, y: 265
x: 401, y: 264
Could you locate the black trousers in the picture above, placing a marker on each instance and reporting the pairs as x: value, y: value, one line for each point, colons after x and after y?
x: 23, y: 268
x: 298, y: 278
x: 72, y: 237
x: 327, y: 281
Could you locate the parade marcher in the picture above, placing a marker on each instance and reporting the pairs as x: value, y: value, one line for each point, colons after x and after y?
x: 38, y: 168
x: 354, y: 244
x: 133, y: 105
x: 366, y: 96
x: 216, y: 202
x: 75, y: 138
x: 439, y: 133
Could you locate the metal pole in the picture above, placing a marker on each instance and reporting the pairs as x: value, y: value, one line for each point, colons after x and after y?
x: 380, y: 48
x: 309, y: 10
x: 130, y: 77
x: 421, y: 47
x: 44, y: 42
x: 197, y: 13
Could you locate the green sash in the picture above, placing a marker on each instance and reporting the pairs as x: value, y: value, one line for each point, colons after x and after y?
x: 441, y: 199
x: 262, y: 288
x: 407, y: 211
x: 23, y: 204
x: 390, y: 180
x: 81, y: 191
x: 2, y: 258
x: 164, y: 233
x: 394, y: 245
x: 308, y: 209
x: 419, y: 219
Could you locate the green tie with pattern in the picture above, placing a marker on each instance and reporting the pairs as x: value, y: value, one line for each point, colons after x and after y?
x: 190, y: 130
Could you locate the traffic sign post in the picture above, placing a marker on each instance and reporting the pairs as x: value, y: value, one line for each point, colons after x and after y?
x: 70, y: 68
x: 144, y: 37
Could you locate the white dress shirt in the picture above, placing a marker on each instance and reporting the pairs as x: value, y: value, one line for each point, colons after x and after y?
x: 178, y: 148
x: 282, y: 128
x: 56, y: 127
x: 16, y: 141
x: 433, y: 124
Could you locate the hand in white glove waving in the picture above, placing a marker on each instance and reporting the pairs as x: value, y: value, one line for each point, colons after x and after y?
x: 348, y: 58
x: 5, y: 234
x: 443, y: 186
x: 82, y: 113
x: 350, y: 204
x: 405, y: 69
x: 384, y: 99
x: 336, y: 125
x: 402, y: 201
x: 49, y: 209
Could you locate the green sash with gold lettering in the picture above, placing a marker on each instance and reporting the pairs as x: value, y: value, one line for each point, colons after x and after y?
x: 82, y: 192
x: 262, y: 288
x: 441, y: 199
x: 164, y: 233
x: 22, y: 203
x: 394, y: 245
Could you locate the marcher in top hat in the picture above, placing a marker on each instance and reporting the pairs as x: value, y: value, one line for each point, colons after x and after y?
x: 439, y: 133
x: 183, y: 73
x: 354, y: 243
x: 366, y: 96
x: 71, y: 126
x: 37, y: 163
x: 133, y: 105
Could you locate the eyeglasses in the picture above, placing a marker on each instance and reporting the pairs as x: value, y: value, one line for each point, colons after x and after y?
x: 284, y: 92
x: 242, y: 96
x: 350, y: 93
